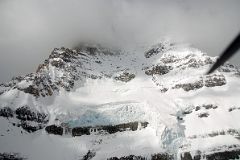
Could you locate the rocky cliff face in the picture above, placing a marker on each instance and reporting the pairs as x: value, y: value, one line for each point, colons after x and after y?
x: 65, y: 66
x: 95, y: 88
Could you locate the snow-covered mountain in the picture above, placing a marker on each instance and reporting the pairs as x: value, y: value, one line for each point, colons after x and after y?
x: 97, y: 103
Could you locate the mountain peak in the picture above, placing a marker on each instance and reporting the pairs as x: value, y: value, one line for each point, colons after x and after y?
x: 65, y: 66
x: 112, y: 99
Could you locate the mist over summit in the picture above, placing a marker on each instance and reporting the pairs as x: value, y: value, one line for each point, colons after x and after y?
x: 31, y: 28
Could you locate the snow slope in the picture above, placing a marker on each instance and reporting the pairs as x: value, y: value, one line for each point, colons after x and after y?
x: 165, y: 86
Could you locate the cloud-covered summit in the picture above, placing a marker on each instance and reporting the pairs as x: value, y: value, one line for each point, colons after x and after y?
x: 29, y: 30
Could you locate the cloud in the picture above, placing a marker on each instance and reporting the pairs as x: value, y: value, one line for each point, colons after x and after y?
x: 30, y: 29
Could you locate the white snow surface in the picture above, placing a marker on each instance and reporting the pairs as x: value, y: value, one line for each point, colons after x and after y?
x: 106, y: 101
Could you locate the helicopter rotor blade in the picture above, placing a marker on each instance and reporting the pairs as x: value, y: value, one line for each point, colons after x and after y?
x: 228, y: 53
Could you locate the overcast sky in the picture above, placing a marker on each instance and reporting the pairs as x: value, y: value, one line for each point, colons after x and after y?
x: 30, y: 29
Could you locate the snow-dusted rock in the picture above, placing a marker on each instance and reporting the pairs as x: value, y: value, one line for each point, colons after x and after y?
x: 189, y: 115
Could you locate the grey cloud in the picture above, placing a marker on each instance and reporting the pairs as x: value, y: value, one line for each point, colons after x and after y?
x: 30, y: 29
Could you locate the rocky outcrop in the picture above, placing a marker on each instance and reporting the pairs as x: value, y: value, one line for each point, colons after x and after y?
x: 189, y: 86
x: 89, y: 155
x: 130, y: 157
x: 11, y: 156
x: 53, y: 129
x: 233, y: 132
x: 65, y: 66
x: 94, y: 49
x: 79, y: 131
x: 31, y: 90
x: 28, y: 119
x: 162, y: 156
x: 228, y: 68
x: 208, y: 81
x: 225, y: 155
x: 24, y: 113
x: 6, y: 112
x: 222, y: 155
x: 111, y: 129
x: 158, y: 69
x: 158, y: 49
x: 199, y: 110
x: 125, y: 77
x: 233, y: 108
x: 209, y: 106
x: 215, y: 80
x: 158, y: 156
x: 188, y: 156
x: 201, y: 115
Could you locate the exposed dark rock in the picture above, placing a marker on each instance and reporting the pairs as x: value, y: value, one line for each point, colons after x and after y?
x: 162, y: 156
x: 189, y: 86
x: 125, y: 77
x: 206, y: 106
x: 130, y: 157
x: 179, y: 118
x: 232, y: 132
x: 158, y: 156
x: 169, y: 59
x: 209, y: 106
x: 233, y: 108
x: 58, y: 63
x: 197, y: 108
x: 42, y: 66
x: 186, y: 156
x: 159, y: 69
x: 79, y: 131
x: 152, y: 52
x: 99, y: 62
x: 133, y: 126
x: 208, y: 60
x: 42, y: 84
x: 31, y: 90
x: 53, y: 129
x: 24, y: 113
x: 89, y: 155
x: 225, y: 155
x: 228, y: 68
x: 91, y: 50
x: 94, y: 49
x: 187, y: 111
x: 159, y: 48
x: 197, y: 155
x: 215, y: 80
x: 144, y: 124
x: 26, y: 117
x: 163, y: 90
x: 6, y: 112
x: 208, y: 81
x: 11, y: 156
x: 194, y: 63
x: 111, y: 129
x: 29, y: 127
x: 201, y: 115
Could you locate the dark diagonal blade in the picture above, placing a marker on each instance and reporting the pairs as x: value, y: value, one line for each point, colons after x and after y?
x: 229, y: 52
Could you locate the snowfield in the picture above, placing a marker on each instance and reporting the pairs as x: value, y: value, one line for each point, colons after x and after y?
x: 166, y: 86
